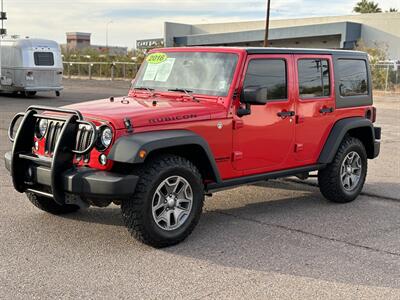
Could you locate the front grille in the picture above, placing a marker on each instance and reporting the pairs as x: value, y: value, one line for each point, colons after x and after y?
x: 83, y: 138
x: 53, y: 132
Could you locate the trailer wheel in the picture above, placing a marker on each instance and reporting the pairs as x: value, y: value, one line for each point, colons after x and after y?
x: 30, y: 93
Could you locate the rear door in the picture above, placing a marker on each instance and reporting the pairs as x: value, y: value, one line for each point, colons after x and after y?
x: 315, y: 105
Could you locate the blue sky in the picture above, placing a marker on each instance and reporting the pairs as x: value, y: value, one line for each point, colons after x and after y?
x: 134, y: 19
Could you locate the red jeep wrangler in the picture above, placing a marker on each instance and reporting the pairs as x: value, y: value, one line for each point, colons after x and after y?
x: 198, y: 120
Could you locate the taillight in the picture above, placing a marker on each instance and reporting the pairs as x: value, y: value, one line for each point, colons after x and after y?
x: 370, y: 114
x: 373, y: 119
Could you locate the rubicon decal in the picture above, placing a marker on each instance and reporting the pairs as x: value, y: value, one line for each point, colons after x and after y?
x: 172, y: 118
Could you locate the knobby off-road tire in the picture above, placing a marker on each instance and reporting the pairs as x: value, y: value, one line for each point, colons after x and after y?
x: 157, y: 181
x: 332, y: 180
x: 50, y: 206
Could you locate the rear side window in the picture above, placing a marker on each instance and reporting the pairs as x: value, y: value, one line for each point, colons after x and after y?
x: 314, y: 78
x: 353, y: 77
x: 270, y: 74
x: 43, y: 58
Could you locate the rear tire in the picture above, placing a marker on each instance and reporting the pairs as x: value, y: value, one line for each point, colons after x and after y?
x: 343, y: 179
x: 50, y: 206
x: 167, y: 203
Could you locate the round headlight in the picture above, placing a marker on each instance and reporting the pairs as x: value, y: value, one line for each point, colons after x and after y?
x: 42, y: 128
x: 106, y: 137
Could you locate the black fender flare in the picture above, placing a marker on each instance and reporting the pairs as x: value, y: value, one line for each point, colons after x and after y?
x: 126, y: 148
x: 337, y: 133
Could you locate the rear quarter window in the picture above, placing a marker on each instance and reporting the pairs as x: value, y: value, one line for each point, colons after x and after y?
x: 43, y: 58
x: 353, y: 77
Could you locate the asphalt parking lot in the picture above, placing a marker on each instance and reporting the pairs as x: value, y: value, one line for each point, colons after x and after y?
x: 275, y: 239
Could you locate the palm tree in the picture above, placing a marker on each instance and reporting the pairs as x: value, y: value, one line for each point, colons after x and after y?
x: 367, y: 7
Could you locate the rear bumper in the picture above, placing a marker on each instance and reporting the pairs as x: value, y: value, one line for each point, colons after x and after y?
x: 377, y: 143
x: 377, y: 148
x: 84, y: 182
x: 42, y: 88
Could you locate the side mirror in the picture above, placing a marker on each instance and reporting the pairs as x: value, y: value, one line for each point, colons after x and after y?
x: 254, y: 95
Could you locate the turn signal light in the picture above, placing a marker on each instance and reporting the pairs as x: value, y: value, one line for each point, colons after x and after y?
x: 142, y: 154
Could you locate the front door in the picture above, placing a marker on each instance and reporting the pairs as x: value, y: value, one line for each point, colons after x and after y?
x: 263, y: 139
x: 315, y: 106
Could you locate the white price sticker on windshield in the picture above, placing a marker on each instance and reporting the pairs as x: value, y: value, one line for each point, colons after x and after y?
x: 159, y: 72
x: 165, y: 69
x: 151, y: 72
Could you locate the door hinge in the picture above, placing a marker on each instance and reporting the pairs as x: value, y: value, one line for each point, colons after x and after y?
x: 128, y: 125
x: 298, y: 147
x: 237, y: 124
x: 237, y: 155
x: 299, y: 119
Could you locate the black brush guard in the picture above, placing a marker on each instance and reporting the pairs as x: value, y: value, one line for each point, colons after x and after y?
x: 61, y: 173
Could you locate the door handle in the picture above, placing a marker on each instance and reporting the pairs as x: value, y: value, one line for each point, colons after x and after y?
x: 284, y: 114
x: 326, y: 110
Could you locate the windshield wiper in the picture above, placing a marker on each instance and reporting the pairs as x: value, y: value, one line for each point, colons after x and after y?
x: 187, y: 92
x: 143, y: 88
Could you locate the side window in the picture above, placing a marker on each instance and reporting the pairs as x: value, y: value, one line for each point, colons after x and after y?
x: 268, y: 73
x: 353, y: 77
x: 314, y: 78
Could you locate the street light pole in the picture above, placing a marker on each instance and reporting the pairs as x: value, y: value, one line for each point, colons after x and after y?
x: 3, y: 32
x: 266, y: 42
x: 108, y: 23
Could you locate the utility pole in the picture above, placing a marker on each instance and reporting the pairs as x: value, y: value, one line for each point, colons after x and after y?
x: 266, y: 42
x: 3, y: 32
x: 108, y: 23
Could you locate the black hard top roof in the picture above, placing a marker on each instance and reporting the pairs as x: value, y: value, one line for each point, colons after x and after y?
x: 272, y: 50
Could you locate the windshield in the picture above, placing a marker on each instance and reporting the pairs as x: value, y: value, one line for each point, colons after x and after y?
x: 194, y: 72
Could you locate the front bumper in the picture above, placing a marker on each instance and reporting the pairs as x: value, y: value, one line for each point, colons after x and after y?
x: 57, y: 177
x: 85, y: 182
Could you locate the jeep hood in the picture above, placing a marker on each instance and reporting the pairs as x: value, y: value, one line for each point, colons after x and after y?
x: 149, y: 112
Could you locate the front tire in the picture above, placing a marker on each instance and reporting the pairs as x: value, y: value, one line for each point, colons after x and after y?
x: 343, y: 179
x: 50, y: 206
x: 167, y: 203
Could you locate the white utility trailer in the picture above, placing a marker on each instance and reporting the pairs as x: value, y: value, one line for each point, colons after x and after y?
x: 30, y: 65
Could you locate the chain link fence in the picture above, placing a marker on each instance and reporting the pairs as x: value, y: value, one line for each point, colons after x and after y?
x: 101, y: 70
x: 386, y: 77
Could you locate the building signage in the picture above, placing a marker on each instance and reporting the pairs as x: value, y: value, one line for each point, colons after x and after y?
x: 150, y: 43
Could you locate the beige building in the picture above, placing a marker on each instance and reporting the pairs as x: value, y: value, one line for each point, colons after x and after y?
x: 382, y: 29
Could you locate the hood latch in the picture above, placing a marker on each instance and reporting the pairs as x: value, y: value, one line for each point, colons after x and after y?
x: 128, y: 125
